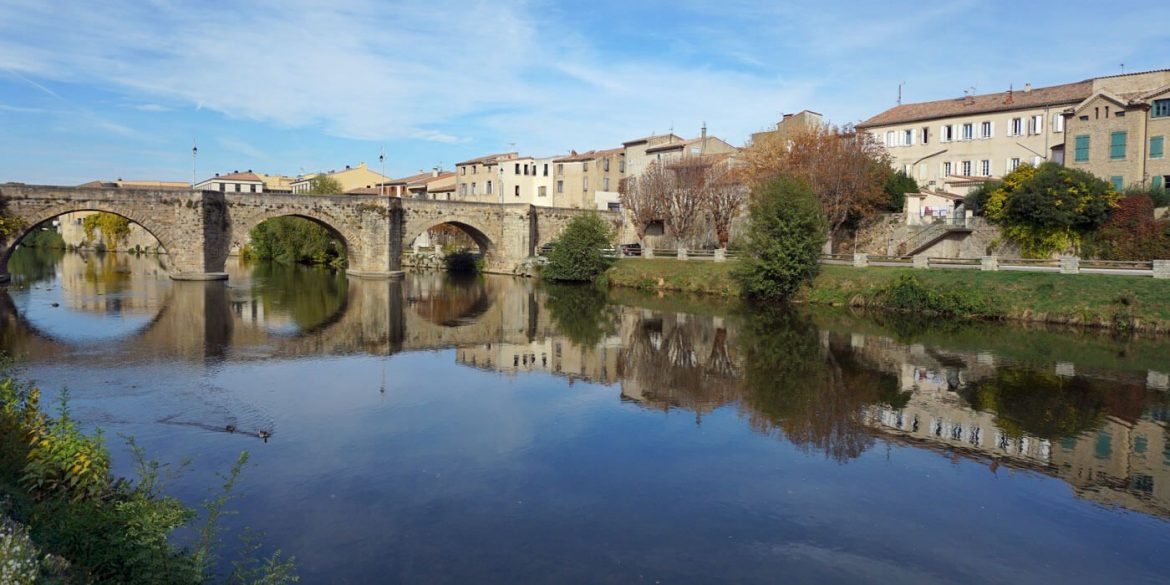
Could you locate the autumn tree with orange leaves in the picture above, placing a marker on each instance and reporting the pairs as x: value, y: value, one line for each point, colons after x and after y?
x: 846, y: 169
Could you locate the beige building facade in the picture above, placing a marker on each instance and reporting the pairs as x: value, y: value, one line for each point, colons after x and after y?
x: 580, y: 180
x: 477, y: 180
x: 350, y: 178
x: 956, y: 144
x: 789, y: 126
x: 235, y: 182
x: 1119, y: 132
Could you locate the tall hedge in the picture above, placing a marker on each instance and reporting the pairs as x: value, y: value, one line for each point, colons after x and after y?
x: 785, y: 234
x: 577, y: 254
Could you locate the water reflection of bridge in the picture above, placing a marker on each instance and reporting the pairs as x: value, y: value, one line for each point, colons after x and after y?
x: 1110, y: 442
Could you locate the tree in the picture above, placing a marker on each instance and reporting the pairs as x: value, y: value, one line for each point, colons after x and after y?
x: 686, y: 196
x: 898, y: 184
x: 577, y: 253
x: 1047, y: 209
x: 9, y: 226
x: 845, y: 168
x: 324, y: 185
x: 725, y: 199
x: 786, y: 230
x: 642, y: 196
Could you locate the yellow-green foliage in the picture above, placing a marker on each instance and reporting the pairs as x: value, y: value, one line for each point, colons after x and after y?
x: 1047, y: 209
x: 114, y: 228
x: 61, y: 459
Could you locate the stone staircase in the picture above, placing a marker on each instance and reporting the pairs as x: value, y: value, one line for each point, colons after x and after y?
x: 931, y: 235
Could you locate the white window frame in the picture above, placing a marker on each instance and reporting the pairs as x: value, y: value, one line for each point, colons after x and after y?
x: 968, y: 131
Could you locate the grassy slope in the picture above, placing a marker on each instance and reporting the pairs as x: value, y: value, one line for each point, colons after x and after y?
x: 1081, y: 299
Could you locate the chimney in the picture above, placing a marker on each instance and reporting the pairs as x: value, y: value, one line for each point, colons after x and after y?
x: 347, y: 167
x: 435, y: 172
x: 703, y: 140
x: 1027, y: 87
x: 1011, y: 96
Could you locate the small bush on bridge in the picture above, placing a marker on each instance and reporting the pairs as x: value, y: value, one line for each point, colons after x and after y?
x: 578, y: 254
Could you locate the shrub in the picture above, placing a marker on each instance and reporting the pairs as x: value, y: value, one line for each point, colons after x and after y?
x: 464, y: 262
x: 908, y: 294
x: 785, y: 233
x: 114, y: 228
x: 1047, y: 209
x: 976, y: 199
x: 1131, y: 233
x: 898, y: 184
x: 577, y: 255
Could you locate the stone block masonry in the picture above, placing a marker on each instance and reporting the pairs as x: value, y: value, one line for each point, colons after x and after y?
x: 199, y: 228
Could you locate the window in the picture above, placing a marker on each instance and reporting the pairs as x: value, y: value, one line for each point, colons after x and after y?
x: 560, y: 169
x: 463, y: 171
x: 621, y: 165
x: 1013, y: 164
x: 948, y: 133
x: 1118, y: 182
x: 605, y: 165
x: 585, y: 167
x: 542, y: 191
x: 946, y: 169
x: 252, y: 188
x: 474, y: 169
x: 584, y: 183
x: 1156, y: 145
x: 518, y: 169
x: 473, y: 191
x: 560, y: 186
x: 605, y: 184
x: 1160, y: 109
x: 489, y: 187
x: 1057, y: 123
x: 1036, y: 125
x: 926, y: 135
x: 968, y: 131
x: 1082, y: 148
x: 908, y: 137
x: 463, y: 189
x: 966, y: 168
x: 517, y: 190
x: 985, y: 130
x: 985, y: 168
x: 1117, y: 146
x: 1157, y: 182
x: 614, y: 206
x: 891, y: 138
x: 223, y: 187
x: 1017, y: 127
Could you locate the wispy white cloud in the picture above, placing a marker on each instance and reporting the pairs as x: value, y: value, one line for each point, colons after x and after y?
x: 151, y: 108
x: 22, y: 110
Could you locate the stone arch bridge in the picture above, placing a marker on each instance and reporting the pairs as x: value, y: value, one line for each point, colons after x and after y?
x: 198, y: 229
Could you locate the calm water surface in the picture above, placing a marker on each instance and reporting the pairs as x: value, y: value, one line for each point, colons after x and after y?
x: 489, y: 431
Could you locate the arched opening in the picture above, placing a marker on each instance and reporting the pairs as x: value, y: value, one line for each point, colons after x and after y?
x: 295, y: 239
x: 430, y: 248
x: 447, y: 300
x: 34, y: 253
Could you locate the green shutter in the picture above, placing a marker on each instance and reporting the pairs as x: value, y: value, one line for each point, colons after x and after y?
x: 1156, y: 147
x: 1082, y: 153
x: 1117, y: 145
x: 1157, y: 181
x: 1118, y: 183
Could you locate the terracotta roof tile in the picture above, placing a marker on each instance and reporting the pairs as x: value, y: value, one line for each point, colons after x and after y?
x: 1057, y: 95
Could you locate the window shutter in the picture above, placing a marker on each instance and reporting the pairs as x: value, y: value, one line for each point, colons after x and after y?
x: 1156, y: 146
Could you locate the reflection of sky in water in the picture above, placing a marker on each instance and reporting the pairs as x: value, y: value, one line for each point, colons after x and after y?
x: 71, y: 325
x: 417, y: 468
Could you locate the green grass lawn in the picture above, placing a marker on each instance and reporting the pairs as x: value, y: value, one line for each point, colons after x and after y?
x: 1082, y: 299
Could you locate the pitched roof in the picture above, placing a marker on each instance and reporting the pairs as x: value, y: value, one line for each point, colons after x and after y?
x: 673, y: 145
x: 591, y: 155
x: 236, y: 176
x: 649, y: 138
x: 489, y: 159
x: 1069, y: 93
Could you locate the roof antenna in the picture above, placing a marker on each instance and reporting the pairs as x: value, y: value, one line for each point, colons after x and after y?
x: 900, y: 84
x: 1123, y: 68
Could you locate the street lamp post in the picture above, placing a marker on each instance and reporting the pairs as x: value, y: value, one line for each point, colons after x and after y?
x: 382, y: 160
x: 194, y: 153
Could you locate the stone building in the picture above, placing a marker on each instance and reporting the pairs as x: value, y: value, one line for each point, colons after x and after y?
x: 234, y: 182
x: 956, y: 144
x: 477, y: 179
x: 790, y: 125
x: 582, y: 180
x: 1119, y: 131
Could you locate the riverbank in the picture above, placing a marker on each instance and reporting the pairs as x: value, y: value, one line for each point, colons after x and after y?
x: 1087, y: 300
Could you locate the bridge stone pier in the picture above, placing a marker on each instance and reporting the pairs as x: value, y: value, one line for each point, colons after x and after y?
x: 199, y: 229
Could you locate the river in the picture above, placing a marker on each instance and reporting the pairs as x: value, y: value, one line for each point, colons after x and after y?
x: 492, y: 430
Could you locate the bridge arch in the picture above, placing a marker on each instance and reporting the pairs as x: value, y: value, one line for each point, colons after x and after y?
x: 34, y: 220
x: 242, y: 225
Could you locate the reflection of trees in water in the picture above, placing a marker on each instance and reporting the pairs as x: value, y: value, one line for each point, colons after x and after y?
x: 35, y: 264
x: 666, y: 359
x: 1043, y: 404
x: 309, y: 295
x: 811, y: 393
x: 581, y: 313
x: 454, y: 300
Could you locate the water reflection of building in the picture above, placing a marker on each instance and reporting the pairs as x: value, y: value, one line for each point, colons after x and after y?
x: 1121, y: 462
x: 554, y: 355
x: 112, y: 283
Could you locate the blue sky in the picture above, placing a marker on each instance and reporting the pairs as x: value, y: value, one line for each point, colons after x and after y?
x: 101, y: 90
